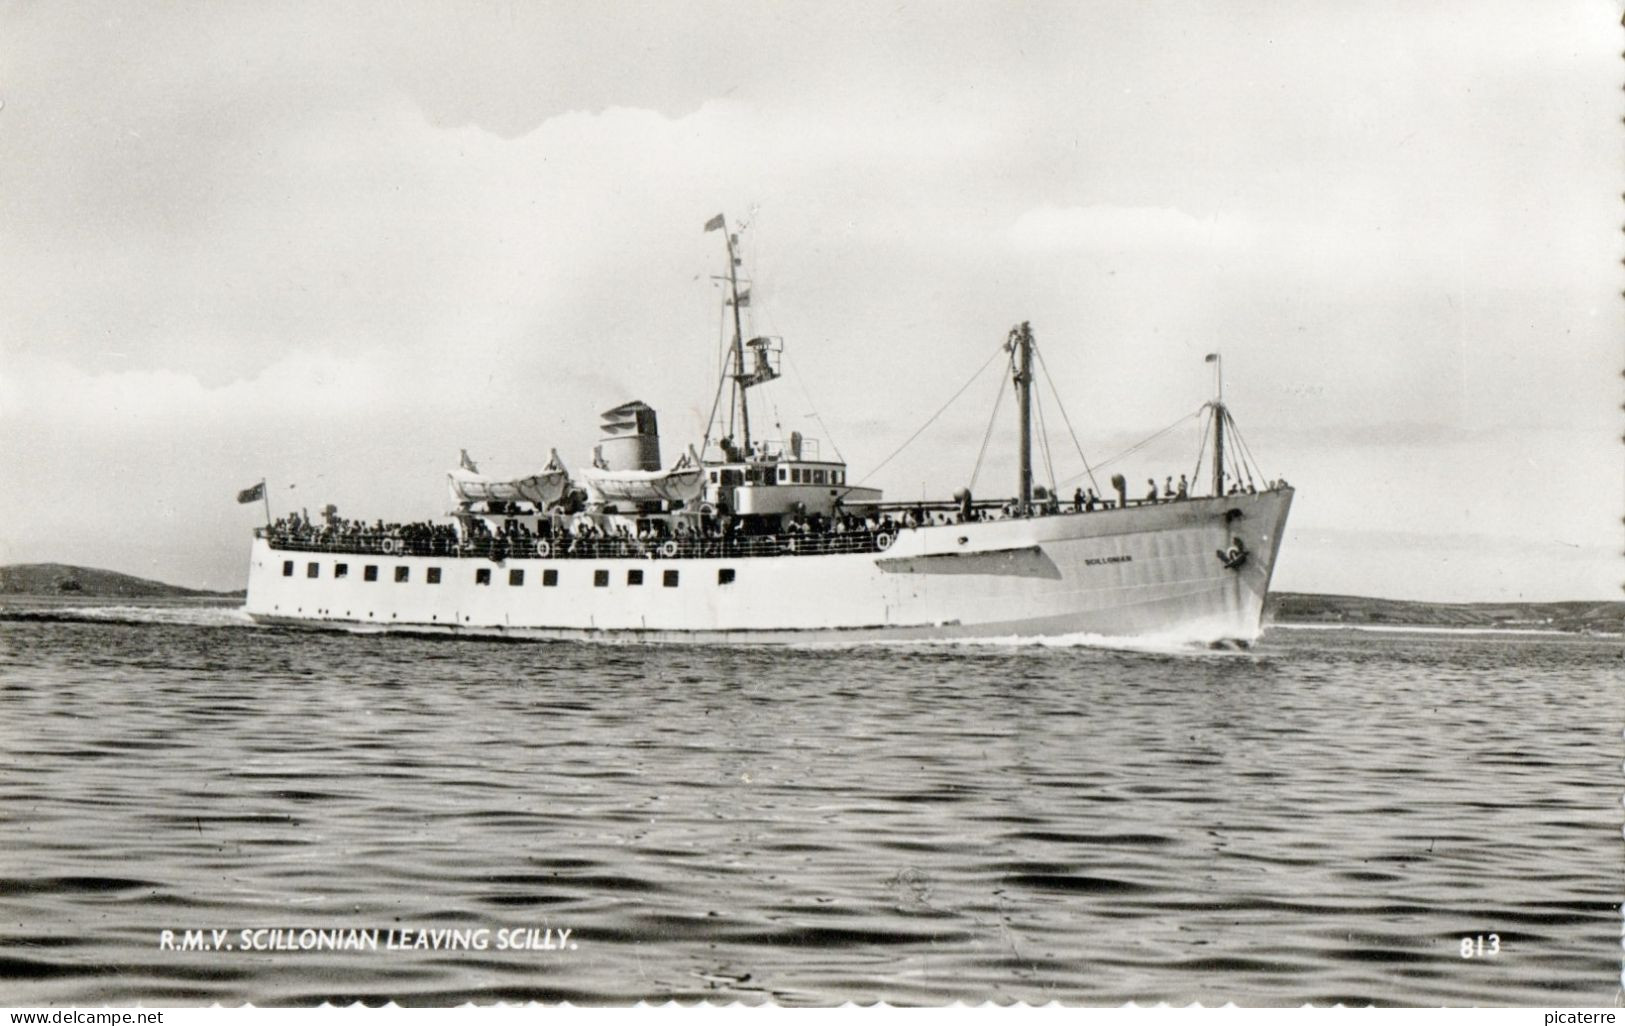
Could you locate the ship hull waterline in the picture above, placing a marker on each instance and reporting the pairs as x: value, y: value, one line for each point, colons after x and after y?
x: 1150, y: 571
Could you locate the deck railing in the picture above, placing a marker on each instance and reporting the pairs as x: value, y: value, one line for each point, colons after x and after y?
x: 418, y: 540
x: 744, y: 546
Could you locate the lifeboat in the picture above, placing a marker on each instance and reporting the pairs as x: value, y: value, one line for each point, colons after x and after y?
x: 683, y: 482
x: 543, y: 488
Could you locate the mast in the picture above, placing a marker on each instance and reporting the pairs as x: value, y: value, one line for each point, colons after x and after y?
x: 739, y: 342
x: 1021, y: 345
x: 1218, y: 422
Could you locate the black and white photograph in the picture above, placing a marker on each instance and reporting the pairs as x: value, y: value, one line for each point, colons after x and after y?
x: 794, y: 503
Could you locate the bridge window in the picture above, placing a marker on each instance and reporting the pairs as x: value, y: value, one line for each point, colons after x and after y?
x: 600, y: 578
x: 287, y: 568
x: 482, y: 575
x: 341, y: 569
x: 369, y: 573
x: 516, y: 578
x: 433, y: 575
x: 818, y: 477
x: 550, y: 578
x: 313, y: 569
x: 784, y: 474
x: 671, y: 579
x: 634, y: 578
x: 402, y: 574
x: 725, y: 575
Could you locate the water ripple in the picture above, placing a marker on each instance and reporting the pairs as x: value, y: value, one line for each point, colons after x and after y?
x: 1321, y: 820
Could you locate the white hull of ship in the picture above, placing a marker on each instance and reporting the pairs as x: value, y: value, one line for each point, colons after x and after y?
x: 1144, y: 571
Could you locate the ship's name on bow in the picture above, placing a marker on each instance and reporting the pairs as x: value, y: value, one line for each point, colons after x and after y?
x: 1102, y: 560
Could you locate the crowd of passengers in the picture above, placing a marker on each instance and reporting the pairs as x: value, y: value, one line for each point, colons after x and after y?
x: 335, y: 532
x: 580, y: 536
x: 844, y: 531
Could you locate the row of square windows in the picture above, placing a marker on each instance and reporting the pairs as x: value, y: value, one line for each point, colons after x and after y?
x: 787, y: 475
x: 482, y: 575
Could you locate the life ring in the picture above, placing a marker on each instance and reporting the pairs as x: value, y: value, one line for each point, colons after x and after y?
x: 668, y: 548
x: 389, y: 546
x: 543, y: 549
x: 884, y: 539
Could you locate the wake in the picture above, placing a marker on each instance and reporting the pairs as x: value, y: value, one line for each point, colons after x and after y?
x: 175, y: 616
x: 1165, y: 644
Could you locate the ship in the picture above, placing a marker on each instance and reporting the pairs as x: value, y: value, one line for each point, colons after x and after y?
x: 750, y: 540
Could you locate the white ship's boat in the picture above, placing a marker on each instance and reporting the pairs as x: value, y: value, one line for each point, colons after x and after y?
x: 682, y: 483
x: 542, y: 488
x: 765, y: 541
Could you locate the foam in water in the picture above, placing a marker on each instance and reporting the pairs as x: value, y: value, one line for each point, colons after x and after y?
x: 1171, y: 643
x: 186, y: 616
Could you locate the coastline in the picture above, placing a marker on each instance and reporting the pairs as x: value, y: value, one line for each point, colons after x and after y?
x: 1399, y: 628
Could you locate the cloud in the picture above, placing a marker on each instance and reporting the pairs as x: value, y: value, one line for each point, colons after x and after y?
x: 338, y: 243
x: 1137, y: 230
x: 302, y: 384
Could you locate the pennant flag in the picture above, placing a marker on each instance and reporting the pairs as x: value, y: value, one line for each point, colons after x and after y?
x: 744, y: 298
x: 1211, y: 357
x: 253, y: 494
x: 713, y: 224
x: 467, y: 463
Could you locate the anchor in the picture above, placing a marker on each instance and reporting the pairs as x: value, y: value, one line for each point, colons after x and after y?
x: 1234, y: 557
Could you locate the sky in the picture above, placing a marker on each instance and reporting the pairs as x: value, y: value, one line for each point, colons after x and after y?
x: 329, y: 245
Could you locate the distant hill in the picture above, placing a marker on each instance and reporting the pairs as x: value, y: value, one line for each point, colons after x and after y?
x: 1291, y: 607
x: 59, y: 579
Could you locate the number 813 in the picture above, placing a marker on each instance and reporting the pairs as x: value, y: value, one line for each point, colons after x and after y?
x: 1482, y: 946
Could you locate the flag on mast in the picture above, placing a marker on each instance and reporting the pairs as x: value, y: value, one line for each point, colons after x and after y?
x: 467, y: 463
x: 713, y: 224
x: 253, y: 494
x: 1211, y: 358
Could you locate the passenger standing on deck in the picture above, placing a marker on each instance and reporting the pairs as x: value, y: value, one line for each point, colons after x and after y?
x: 1077, y: 500
x: 1184, y: 488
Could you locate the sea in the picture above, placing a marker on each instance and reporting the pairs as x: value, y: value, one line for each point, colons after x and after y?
x: 196, y: 809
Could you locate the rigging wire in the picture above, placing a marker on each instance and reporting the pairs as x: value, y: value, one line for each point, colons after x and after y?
x: 1043, y: 439
x: 1065, y: 419
x: 722, y: 377
x: 1232, y: 457
x: 1131, y: 450
x: 771, y: 394
x: 1249, y: 451
x: 802, y: 384
x: 998, y: 399
x: 1235, y: 450
x: 932, y: 418
x: 1201, y: 451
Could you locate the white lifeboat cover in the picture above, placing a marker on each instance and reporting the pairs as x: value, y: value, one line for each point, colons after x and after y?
x: 544, y: 487
x: 682, y: 483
